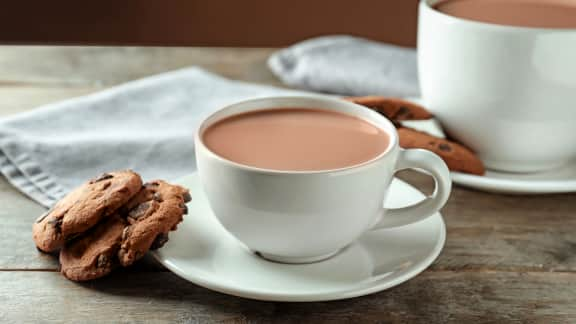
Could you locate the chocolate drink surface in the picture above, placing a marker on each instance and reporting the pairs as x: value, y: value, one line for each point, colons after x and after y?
x: 296, y: 139
x: 525, y: 13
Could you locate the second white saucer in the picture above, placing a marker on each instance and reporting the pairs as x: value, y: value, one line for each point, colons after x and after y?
x: 552, y: 181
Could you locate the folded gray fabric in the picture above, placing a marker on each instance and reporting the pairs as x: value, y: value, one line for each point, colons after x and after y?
x: 145, y: 125
x: 347, y: 65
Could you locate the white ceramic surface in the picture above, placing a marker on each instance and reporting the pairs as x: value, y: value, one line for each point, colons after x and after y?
x: 558, y: 180
x: 507, y: 92
x: 203, y: 252
x: 300, y: 216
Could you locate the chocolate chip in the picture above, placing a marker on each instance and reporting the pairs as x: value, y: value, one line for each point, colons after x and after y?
x: 139, y: 210
x: 102, y: 177
x: 123, y: 210
x: 184, y: 208
x: 186, y: 196
x: 104, y: 212
x: 57, y: 223
x: 402, y: 111
x: 106, y: 185
x: 431, y: 143
x: 381, y: 110
x: 103, y: 261
x: 444, y: 147
x: 123, y: 190
x: 157, y: 197
x: 72, y: 237
x: 159, y: 241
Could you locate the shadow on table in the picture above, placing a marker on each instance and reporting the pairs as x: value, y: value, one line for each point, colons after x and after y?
x: 161, y: 291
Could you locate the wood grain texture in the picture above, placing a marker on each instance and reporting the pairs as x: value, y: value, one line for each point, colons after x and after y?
x: 442, y: 297
x: 19, y: 98
x: 104, y: 66
x: 507, y: 258
x: 506, y: 232
x: 17, y: 250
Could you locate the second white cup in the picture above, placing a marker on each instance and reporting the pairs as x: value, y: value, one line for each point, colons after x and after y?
x: 507, y: 92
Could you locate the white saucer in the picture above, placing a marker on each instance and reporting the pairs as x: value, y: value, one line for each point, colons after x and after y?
x: 202, y: 252
x: 553, y: 181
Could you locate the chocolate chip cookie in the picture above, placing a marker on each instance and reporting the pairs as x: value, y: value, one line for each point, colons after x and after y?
x: 456, y: 156
x: 393, y: 108
x: 95, y: 254
x: 151, y: 214
x: 84, y: 207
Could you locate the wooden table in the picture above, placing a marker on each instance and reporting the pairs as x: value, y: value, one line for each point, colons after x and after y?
x: 507, y: 258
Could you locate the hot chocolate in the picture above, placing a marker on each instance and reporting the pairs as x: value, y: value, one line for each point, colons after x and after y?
x: 527, y: 13
x: 296, y: 139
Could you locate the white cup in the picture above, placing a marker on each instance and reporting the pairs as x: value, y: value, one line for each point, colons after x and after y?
x: 307, y: 216
x: 507, y: 92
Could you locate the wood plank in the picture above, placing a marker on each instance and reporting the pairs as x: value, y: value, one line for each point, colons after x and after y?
x: 506, y: 232
x: 162, y: 297
x: 104, y: 66
x: 17, y: 249
x: 507, y: 257
x: 510, y: 232
x: 35, y: 75
x: 20, y: 98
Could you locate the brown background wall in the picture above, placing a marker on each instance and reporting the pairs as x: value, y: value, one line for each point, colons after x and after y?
x: 204, y: 22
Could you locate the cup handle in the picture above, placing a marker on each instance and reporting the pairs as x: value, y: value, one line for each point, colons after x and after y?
x: 433, y: 165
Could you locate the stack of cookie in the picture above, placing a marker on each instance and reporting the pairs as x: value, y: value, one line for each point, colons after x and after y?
x: 109, y: 221
x: 457, y: 157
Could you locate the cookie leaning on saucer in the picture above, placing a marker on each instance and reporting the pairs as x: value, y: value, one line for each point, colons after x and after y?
x: 456, y: 156
x: 151, y: 214
x: 393, y: 108
x: 84, y: 207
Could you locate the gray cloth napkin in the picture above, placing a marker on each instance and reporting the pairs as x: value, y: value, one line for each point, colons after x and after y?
x: 145, y: 125
x: 348, y: 65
